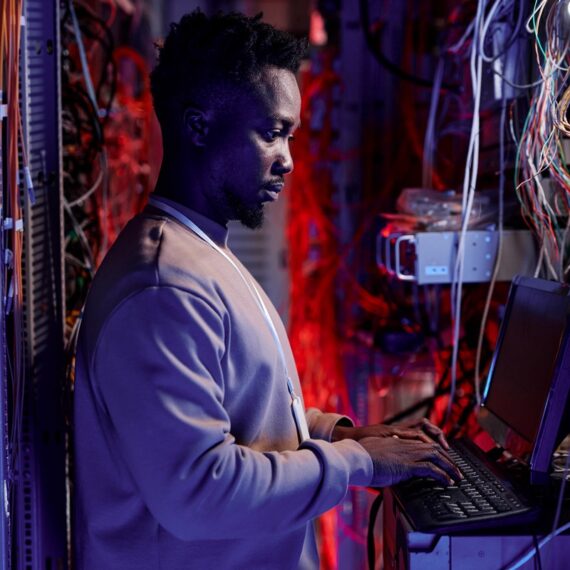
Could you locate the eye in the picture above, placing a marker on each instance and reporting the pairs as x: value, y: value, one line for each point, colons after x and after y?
x: 272, y: 134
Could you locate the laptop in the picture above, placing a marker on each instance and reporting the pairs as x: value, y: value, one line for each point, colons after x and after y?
x: 524, y: 410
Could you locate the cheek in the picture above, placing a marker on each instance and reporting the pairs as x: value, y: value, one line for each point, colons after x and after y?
x: 256, y: 158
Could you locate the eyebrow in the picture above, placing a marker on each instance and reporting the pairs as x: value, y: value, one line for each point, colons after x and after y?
x: 287, y: 121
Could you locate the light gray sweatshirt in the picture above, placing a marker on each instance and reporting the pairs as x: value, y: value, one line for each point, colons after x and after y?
x: 186, y: 451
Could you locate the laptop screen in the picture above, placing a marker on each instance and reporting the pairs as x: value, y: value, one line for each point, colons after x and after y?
x: 526, y: 355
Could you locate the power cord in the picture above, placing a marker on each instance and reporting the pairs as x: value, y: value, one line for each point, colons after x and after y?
x: 370, y: 546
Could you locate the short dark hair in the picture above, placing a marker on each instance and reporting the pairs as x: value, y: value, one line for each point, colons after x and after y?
x: 199, y: 50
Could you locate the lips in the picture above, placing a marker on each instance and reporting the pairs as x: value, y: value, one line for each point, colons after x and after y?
x: 270, y: 195
x: 271, y: 191
x: 275, y: 186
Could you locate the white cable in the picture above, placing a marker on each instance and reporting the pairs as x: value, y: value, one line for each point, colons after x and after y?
x: 485, y: 29
x: 104, y: 204
x: 555, y: 529
x: 459, y: 44
x: 82, y: 237
x: 539, y: 262
x: 91, y: 190
x: 548, y: 262
x: 517, y: 85
x: 428, y: 158
x: 502, y: 125
x: 532, y: 16
x: 468, y: 196
x: 565, y: 235
x: 526, y: 557
x: 561, y: 494
x: 539, y: 147
x: 537, y: 16
x: 506, y: 10
x: 83, y: 58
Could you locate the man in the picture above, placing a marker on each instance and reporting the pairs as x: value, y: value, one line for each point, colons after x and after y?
x: 188, y: 419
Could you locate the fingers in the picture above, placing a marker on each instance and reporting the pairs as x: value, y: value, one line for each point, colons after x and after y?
x: 440, y: 457
x: 434, y: 432
x: 423, y: 430
x: 408, y: 433
x: 398, y: 459
x: 434, y: 454
x: 427, y: 469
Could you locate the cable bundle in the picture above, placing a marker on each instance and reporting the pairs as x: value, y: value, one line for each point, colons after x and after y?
x: 16, y: 178
x: 107, y: 124
x: 313, y: 254
x: 543, y: 182
x: 498, y: 24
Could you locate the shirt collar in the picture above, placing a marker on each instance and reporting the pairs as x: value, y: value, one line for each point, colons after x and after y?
x: 217, y: 232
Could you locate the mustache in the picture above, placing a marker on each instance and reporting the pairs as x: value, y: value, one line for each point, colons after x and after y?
x: 275, y: 182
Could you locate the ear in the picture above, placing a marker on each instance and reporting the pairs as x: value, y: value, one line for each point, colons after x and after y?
x: 196, y: 125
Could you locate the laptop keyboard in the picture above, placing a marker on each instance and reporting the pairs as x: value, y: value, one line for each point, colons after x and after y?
x: 482, y: 499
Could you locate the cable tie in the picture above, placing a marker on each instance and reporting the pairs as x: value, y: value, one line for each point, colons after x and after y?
x: 3, y: 111
x: 23, y: 21
x: 8, y: 300
x: 18, y: 179
x: 30, y: 185
x: 8, y: 257
x: 8, y: 224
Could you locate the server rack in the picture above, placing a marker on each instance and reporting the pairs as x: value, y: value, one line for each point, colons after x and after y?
x: 34, y: 517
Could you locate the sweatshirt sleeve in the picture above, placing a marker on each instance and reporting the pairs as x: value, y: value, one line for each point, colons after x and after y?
x: 159, y: 380
x: 321, y: 424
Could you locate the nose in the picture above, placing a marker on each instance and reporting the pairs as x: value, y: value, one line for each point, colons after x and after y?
x: 284, y: 161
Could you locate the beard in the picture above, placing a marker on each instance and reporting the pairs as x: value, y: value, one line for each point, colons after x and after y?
x: 250, y: 216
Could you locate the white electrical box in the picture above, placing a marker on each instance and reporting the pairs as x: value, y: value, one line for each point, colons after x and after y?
x: 430, y: 257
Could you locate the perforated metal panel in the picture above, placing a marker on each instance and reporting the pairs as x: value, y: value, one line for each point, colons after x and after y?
x: 4, y: 450
x: 40, y: 514
x: 264, y: 252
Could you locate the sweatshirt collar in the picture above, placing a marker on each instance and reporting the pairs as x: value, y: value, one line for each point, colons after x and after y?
x: 217, y: 232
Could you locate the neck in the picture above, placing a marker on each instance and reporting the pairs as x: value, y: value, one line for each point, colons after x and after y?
x: 196, y: 222
x: 176, y: 183
x: 173, y: 182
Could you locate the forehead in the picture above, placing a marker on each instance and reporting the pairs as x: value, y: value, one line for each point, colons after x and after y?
x: 274, y: 96
x: 279, y: 93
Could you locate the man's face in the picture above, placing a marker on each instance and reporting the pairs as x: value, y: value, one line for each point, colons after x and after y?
x: 248, y: 152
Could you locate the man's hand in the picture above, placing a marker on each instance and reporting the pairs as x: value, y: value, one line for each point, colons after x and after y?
x: 397, y: 460
x: 403, y: 451
x: 421, y: 430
